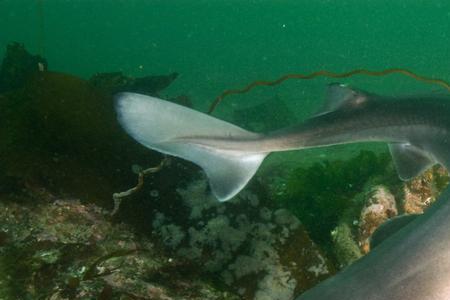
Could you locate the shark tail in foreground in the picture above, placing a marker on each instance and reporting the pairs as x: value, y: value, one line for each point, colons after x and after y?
x: 179, y: 131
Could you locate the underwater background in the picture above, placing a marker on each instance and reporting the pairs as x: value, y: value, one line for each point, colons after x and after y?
x: 216, y: 45
x: 62, y: 160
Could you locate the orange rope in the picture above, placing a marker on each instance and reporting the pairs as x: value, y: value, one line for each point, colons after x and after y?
x: 325, y: 73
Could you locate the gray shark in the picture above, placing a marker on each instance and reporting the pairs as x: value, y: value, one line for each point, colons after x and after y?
x: 413, y: 263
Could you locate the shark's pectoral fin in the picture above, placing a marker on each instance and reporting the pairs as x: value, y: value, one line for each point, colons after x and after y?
x: 409, y: 161
x: 389, y: 228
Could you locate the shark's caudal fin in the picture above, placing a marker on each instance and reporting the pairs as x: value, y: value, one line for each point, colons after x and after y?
x: 176, y: 130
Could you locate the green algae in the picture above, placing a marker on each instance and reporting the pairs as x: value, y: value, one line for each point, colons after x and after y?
x: 319, y: 195
x: 345, y: 247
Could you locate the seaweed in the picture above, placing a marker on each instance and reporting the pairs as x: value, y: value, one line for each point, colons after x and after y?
x: 320, y: 194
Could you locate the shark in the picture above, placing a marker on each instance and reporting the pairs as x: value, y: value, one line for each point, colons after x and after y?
x: 412, y: 260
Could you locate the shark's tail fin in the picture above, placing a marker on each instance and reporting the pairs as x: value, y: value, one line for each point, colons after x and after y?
x: 179, y: 131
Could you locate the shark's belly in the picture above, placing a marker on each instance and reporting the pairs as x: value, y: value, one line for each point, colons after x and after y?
x: 413, y: 264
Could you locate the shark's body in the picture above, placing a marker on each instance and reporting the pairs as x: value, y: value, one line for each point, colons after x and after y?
x: 414, y: 263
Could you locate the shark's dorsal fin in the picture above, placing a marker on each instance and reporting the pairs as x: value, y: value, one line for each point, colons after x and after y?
x: 341, y: 96
x: 390, y: 227
x: 409, y: 161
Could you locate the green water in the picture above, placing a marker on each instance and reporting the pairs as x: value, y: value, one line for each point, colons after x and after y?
x: 216, y: 45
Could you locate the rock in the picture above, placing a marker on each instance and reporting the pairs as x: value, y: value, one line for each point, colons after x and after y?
x: 18, y: 66
x: 61, y: 133
x: 327, y: 191
x: 259, y: 251
x: 346, y: 248
x: 379, y: 206
x: 66, y: 250
x: 420, y: 192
